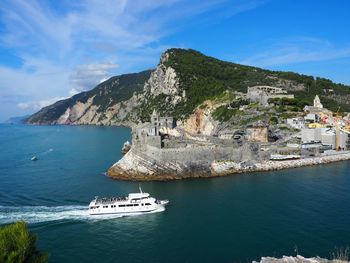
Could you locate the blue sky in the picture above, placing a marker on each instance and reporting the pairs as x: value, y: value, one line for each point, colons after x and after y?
x: 53, y: 49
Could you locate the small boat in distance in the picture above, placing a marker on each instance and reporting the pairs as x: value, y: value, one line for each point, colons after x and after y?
x: 134, y: 203
x: 34, y: 158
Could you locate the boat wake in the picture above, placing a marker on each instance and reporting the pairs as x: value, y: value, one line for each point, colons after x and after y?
x: 40, y: 214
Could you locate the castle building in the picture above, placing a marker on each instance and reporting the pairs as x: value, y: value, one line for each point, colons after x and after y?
x: 148, y: 133
x: 162, y: 122
x: 262, y: 94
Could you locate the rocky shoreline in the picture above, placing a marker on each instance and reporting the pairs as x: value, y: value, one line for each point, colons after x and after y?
x: 221, y: 168
x: 137, y: 167
x: 298, y: 259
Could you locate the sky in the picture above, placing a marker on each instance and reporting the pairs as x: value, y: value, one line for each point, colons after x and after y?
x: 51, y: 50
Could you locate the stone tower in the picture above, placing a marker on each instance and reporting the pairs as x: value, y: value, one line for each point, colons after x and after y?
x: 155, y: 121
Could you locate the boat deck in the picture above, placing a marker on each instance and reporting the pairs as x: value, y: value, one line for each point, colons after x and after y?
x: 110, y: 200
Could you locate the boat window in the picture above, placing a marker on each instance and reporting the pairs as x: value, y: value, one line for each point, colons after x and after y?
x: 129, y: 205
x: 148, y: 204
x: 105, y: 206
x: 136, y: 204
x: 121, y: 205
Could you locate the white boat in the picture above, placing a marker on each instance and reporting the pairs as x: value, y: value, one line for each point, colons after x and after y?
x: 133, y: 203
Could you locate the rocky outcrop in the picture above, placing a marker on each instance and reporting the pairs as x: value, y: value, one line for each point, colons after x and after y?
x: 160, y: 165
x: 150, y: 163
x: 201, y: 122
x: 221, y: 167
x: 87, y: 113
x: 78, y: 112
x: 164, y: 82
x: 297, y: 259
x: 140, y: 167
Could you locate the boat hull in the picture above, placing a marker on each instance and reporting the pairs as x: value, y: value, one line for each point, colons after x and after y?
x: 124, y: 213
x: 111, y: 211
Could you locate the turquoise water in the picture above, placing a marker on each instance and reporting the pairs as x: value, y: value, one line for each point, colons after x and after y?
x: 232, y: 219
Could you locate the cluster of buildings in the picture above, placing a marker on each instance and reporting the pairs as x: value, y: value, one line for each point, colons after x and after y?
x: 319, y: 129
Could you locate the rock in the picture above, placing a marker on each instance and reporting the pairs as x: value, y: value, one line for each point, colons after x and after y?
x: 297, y: 259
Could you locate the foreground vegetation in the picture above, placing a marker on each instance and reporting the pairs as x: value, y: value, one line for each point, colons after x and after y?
x: 17, y: 245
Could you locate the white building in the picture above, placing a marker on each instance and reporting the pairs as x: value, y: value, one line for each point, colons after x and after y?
x: 324, y: 135
x: 296, y: 123
x: 312, y: 117
x: 317, y: 108
x: 317, y: 102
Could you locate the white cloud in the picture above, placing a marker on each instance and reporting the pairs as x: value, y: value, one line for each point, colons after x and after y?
x: 73, y: 91
x: 297, y: 50
x: 23, y: 105
x: 85, y: 77
x: 37, y: 105
x: 64, y: 50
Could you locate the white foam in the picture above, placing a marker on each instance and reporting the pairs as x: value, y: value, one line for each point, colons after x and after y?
x: 39, y: 214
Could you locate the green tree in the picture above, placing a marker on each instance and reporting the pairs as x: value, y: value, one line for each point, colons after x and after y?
x: 273, y: 120
x: 17, y: 245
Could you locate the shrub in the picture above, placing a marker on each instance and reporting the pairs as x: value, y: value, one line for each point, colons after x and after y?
x: 17, y: 245
x: 273, y: 120
x: 222, y: 113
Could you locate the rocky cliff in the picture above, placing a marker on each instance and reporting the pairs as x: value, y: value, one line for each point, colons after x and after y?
x: 109, y: 103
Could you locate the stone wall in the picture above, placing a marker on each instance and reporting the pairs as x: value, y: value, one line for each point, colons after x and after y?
x: 257, y: 134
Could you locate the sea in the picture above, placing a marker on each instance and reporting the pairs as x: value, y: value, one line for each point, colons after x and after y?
x: 237, y: 218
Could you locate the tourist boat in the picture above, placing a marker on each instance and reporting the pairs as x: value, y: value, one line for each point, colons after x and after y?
x: 133, y: 203
x: 34, y: 158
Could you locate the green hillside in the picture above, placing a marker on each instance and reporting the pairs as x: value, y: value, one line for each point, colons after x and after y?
x: 200, y: 78
x: 109, y: 92
x: 204, y: 77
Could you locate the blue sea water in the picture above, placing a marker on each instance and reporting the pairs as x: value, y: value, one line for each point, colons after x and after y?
x: 230, y: 219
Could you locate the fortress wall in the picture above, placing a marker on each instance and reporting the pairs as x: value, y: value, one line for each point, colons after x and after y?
x: 205, y: 154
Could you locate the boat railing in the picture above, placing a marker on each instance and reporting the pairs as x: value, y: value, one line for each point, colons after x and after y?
x: 109, y: 200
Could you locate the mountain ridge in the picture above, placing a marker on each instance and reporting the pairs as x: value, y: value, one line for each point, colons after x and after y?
x: 183, y: 80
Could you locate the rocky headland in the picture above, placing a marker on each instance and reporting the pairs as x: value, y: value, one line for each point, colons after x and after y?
x: 197, y: 116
